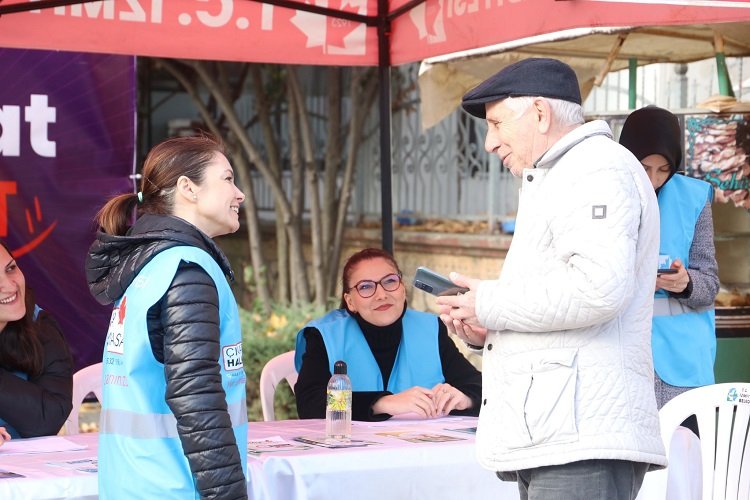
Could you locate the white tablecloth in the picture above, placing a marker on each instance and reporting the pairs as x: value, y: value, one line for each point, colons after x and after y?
x: 393, y: 468
x: 50, y: 476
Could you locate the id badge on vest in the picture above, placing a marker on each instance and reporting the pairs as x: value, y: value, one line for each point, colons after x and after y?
x: 116, y: 332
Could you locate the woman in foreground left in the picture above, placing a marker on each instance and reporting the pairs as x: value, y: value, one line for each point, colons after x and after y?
x: 36, y: 369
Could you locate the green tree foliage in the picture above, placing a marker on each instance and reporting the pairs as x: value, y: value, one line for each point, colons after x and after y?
x: 265, y: 336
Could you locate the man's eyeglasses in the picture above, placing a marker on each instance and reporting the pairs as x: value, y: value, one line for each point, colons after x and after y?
x: 366, y: 288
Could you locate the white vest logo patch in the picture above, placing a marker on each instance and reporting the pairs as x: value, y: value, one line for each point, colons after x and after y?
x: 232, y: 355
x: 116, y: 331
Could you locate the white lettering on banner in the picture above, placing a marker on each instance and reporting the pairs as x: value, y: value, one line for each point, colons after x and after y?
x: 92, y: 10
x: 10, y: 125
x: 232, y: 355
x: 458, y: 8
x: 216, y: 20
x: 38, y: 114
x: 134, y: 12
x: 208, y: 13
x: 145, y: 11
x: 348, y: 37
x: 266, y: 17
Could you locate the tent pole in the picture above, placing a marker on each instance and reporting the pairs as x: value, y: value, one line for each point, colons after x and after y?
x: 614, y: 51
x: 725, y: 85
x: 632, y: 82
x: 384, y: 81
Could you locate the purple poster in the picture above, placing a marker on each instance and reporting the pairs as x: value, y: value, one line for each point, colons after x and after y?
x: 67, y: 128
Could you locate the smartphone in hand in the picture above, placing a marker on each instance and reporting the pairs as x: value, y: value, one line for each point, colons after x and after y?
x: 436, y: 284
x: 668, y: 270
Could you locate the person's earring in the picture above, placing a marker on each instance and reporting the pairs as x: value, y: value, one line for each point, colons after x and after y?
x: 195, y: 197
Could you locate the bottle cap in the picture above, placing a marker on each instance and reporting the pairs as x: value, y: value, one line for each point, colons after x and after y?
x: 339, y: 368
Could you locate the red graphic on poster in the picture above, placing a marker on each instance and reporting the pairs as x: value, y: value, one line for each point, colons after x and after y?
x: 64, y: 150
x: 9, y: 188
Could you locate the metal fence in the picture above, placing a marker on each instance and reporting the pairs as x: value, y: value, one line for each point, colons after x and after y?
x: 440, y: 173
x: 444, y: 172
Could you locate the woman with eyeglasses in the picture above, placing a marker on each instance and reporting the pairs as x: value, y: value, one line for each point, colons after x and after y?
x: 400, y: 361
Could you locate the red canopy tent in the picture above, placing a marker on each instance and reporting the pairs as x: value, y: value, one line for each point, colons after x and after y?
x: 329, y: 32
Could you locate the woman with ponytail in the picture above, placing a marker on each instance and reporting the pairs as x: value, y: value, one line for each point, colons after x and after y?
x: 174, y: 417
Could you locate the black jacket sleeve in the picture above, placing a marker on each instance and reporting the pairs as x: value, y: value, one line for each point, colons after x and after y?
x: 189, y: 320
x: 459, y: 372
x: 40, y: 405
x: 310, y: 389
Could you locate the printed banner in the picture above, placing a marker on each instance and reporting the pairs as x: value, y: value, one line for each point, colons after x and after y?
x: 245, y: 30
x: 67, y: 130
x: 718, y: 151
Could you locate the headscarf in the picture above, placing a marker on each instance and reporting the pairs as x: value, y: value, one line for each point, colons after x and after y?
x: 651, y: 131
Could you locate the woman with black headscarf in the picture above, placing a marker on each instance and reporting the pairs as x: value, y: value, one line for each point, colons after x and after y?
x: 683, y: 328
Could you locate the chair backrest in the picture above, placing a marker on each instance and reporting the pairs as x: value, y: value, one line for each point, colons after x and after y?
x: 723, y: 415
x: 85, y: 381
x: 278, y: 368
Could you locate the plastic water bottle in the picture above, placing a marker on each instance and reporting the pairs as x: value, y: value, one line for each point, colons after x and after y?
x: 339, y: 406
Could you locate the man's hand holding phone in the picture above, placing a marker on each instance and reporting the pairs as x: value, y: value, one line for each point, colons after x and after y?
x: 458, y: 312
x: 429, y: 281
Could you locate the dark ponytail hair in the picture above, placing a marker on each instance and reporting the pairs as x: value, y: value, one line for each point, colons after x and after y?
x: 20, y: 349
x: 165, y: 163
x: 361, y: 256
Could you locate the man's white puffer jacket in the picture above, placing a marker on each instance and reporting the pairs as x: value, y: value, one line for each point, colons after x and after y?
x: 567, y: 368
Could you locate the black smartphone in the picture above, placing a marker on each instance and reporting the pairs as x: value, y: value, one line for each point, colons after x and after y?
x: 668, y: 270
x: 436, y: 284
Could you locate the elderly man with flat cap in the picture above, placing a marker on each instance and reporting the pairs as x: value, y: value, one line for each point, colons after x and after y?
x: 568, y: 408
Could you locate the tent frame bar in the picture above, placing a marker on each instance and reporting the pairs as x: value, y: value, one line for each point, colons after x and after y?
x: 38, y: 5
x: 382, y: 21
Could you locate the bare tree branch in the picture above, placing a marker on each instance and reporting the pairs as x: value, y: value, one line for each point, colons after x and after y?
x: 311, y: 174
x: 249, y: 207
x: 363, y: 92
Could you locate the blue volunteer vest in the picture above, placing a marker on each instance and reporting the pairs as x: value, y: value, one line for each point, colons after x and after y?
x: 417, y: 361
x: 140, y: 454
x: 683, y: 340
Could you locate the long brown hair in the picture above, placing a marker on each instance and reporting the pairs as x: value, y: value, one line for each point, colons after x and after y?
x: 355, y: 259
x: 165, y: 163
x: 20, y: 349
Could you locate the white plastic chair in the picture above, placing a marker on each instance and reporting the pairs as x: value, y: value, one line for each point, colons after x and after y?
x: 723, y: 414
x: 85, y: 381
x: 278, y: 368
